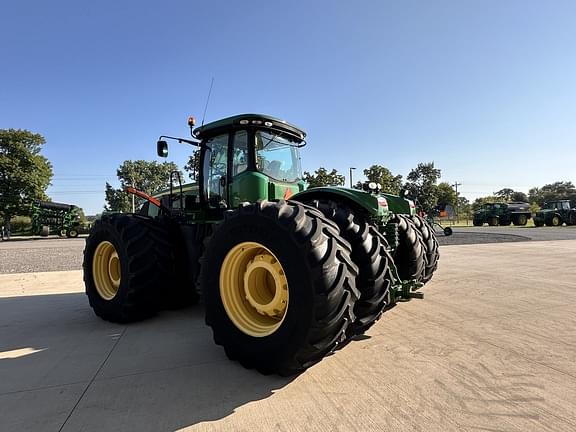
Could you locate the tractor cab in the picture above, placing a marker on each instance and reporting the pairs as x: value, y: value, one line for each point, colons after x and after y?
x: 244, y: 158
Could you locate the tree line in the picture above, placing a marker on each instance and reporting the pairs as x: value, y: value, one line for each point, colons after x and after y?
x: 25, y: 174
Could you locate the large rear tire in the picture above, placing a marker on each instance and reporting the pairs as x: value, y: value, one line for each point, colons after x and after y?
x: 127, y: 263
x: 410, y: 256
x: 492, y: 221
x: 279, y: 286
x: 370, y: 254
x: 431, y: 247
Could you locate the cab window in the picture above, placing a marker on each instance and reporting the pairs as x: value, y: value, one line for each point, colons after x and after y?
x: 215, y: 167
x: 240, y: 153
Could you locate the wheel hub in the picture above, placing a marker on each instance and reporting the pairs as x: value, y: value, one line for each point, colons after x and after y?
x: 106, y: 270
x: 265, y: 286
x: 254, y: 289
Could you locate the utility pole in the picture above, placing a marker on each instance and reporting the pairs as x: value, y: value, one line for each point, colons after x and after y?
x: 351, y: 168
x: 456, y: 184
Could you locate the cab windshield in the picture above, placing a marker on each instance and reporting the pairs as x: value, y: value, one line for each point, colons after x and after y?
x: 277, y: 156
x: 551, y: 205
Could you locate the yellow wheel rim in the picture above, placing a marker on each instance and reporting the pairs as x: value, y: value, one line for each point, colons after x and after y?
x: 254, y: 289
x: 106, y: 270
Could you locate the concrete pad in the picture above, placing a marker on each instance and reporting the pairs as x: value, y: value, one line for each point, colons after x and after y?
x: 491, y: 347
x: 38, y: 410
x: 67, y: 343
x: 31, y: 284
x: 172, y: 340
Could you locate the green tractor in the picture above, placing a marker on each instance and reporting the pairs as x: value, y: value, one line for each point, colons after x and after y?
x: 556, y: 213
x: 503, y: 214
x: 287, y: 274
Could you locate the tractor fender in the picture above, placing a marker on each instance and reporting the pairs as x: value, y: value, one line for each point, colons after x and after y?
x: 355, y: 199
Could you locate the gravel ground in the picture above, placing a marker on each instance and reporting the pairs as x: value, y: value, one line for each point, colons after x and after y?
x: 61, y: 254
x: 477, y: 235
x: 41, y: 255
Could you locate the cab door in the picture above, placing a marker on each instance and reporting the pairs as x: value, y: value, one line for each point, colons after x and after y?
x: 214, y: 171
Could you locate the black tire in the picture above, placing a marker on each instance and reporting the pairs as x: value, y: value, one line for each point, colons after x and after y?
x: 538, y: 223
x: 555, y: 221
x: 520, y: 220
x: 477, y: 222
x: 45, y: 231
x: 431, y: 247
x: 320, y: 277
x: 448, y: 231
x: 370, y: 254
x: 145, y: 266
x: 410, y: 256
x: 72, y: 233
x: 492, y: 221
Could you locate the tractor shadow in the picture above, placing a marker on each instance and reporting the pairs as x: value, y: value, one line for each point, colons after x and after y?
x: 162, y: 374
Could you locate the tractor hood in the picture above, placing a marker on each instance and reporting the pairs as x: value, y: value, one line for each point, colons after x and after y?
x: 377, y: 205
x: 544, y: 212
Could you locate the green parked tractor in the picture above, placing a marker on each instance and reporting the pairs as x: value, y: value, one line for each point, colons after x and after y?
x: 286, y: 274
x: 503, y: 214
x: 556, y: 213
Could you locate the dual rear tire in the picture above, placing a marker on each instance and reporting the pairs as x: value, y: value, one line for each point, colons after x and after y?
x: 279, y: 286
x: 131, y: 269
x: 370, y: 253
x: 127, y: 263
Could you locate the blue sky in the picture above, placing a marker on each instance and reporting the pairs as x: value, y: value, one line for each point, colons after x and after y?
x: 485, y: 89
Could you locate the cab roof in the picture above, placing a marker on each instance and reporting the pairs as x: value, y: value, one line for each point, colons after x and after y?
x: 251, y: 120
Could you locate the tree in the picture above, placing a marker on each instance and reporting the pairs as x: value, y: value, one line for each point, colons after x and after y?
x: 322, y: 177
x: 422, y: 184
x: 505, y: 193
x: 193, y: 165
x: 508, y: 194
x: 464, y: 207
x: 149, y: 177
x: 553, y: 191
x: 519, y: 196
x: 446, y: 194
x: 24, y: 173
x: 382, y: 175
x: 479, y: 202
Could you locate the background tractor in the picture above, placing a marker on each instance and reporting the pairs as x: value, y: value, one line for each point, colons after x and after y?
x: 555, y: 213
x: 287, y: 274
x: 504, y: 214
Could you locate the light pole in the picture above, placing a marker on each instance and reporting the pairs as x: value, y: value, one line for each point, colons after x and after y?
x: 351, y: 168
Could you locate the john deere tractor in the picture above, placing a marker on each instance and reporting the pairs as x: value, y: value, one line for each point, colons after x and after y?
x: 556, y: 213
x: 287, y: 274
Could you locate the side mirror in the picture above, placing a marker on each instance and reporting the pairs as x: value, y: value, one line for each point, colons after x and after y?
x: 162, y: 148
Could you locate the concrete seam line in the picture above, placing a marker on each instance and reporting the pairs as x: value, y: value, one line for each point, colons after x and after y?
x: 41, y: 388
x: 92, y: 380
